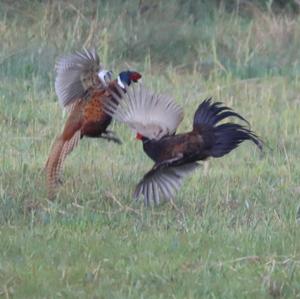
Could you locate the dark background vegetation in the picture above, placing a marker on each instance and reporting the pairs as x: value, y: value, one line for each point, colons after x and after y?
x: 245, y: 38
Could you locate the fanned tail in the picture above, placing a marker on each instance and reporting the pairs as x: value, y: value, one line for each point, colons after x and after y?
x: 229, y: 136
x: 226, y: 137
x: 60, y: 149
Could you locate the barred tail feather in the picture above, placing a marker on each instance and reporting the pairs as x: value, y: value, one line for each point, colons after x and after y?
x: 60, y: 149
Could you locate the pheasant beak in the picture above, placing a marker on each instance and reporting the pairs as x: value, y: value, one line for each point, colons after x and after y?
x: 139, y: 136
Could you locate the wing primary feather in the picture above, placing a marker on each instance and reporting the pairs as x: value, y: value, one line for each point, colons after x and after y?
x: 162, y: 182
x: 71, y: 70
x: 164, y: 187
x: 155, y: 192
x: 152, y: 115
x: 170, y: 178
x: 169, y: 187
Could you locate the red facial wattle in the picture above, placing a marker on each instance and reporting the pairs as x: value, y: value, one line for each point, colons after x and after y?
x: 139, y: 136
x: 135, y: 76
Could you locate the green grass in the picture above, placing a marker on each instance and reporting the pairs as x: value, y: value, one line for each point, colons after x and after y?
x: 232, y: 233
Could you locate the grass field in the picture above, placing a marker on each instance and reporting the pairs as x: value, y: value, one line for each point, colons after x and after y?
x: 231, y: 233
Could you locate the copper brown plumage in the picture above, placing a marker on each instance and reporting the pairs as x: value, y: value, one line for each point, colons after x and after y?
x: 155, y: 118
x: 84, y: 102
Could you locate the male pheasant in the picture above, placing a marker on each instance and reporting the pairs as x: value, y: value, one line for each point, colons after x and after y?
x: 81, y: 86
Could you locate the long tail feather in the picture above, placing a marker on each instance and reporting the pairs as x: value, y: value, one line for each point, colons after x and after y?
x: 60, y: 149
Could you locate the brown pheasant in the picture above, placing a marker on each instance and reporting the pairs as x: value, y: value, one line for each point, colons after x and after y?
x: 81, y: 86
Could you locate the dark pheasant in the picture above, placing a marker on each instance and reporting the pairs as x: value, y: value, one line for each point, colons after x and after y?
x: 155, y: 119
x: 81, y: 85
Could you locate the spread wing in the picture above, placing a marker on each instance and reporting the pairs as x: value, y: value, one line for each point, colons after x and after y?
x: 77, y: 72
x: 150, y: 114
x: 162, y: 182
